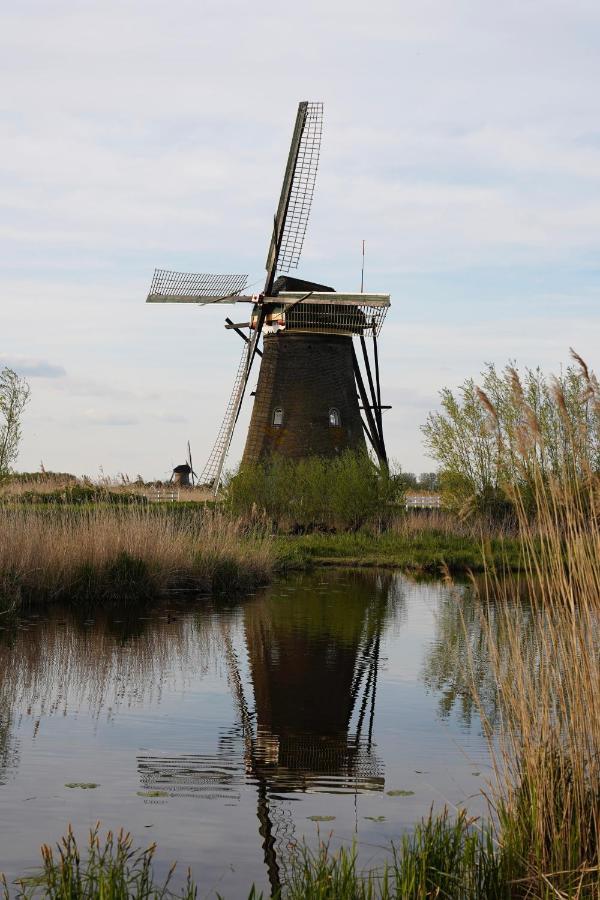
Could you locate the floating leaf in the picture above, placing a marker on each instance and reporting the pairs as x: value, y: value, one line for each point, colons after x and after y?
x: 321, y: 818
x: 375, y: 818
x: 400, y: 793
x: 475, y: 773
x: 152, y: 794
x: 84, y: 785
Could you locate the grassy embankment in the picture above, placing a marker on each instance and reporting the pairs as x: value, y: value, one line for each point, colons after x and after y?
x: 65, y: 539
x: 343, y: 511
x: 420, y: 543
x: 100, y: 553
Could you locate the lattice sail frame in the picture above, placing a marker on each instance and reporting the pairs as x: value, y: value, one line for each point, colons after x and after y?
x: 302, y: 190
x: 335, y: 319
x: 328, y: 313
x: 169, y: 284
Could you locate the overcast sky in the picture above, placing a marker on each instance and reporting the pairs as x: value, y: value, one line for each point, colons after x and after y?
x: 461, y: 141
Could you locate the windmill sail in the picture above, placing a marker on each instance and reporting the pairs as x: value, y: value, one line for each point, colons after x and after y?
x: 213, y: 470
x: 189, y: 287
x: 297, y: 192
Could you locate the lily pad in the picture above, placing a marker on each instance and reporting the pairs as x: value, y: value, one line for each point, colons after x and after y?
x: 152, y: 794
x: 375, y: 818
x: 400, y: 793
x: 321, y: 818
x: 84, y: 785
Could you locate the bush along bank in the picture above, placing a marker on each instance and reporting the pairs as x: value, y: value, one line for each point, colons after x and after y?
x: 339, y: 494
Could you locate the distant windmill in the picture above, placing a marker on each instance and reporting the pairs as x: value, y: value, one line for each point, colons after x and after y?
x: 181, y: 474
x: 310, y: 382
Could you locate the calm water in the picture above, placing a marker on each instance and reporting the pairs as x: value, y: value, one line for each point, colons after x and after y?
x: 336, y: 694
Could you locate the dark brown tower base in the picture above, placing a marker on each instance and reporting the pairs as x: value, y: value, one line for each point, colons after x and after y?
x: 306, y: 381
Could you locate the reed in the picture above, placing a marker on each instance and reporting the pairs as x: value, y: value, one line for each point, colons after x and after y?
x: 547, y: 754
x: 104, y: 553
x: 112, y: 869
x: 443, y: 858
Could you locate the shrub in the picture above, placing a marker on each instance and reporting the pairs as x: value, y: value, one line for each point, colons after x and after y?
x: 492, y: 439
x: 315, y: 493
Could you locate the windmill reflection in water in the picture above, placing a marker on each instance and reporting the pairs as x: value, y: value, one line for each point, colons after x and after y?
x: 305, y: 711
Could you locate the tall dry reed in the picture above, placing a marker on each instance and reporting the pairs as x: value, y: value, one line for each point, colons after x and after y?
x: 104, y: 553
x: 547, y: 755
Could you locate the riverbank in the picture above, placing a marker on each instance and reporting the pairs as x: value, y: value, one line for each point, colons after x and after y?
x: 426, y: 552
x: 96, y: 554
x: 98, y: 551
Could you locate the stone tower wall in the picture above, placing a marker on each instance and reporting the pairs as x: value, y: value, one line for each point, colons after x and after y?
x: 305, y: 375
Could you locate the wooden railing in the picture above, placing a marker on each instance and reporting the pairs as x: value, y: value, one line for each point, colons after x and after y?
x: 423, y: 501
x: 164, y: 495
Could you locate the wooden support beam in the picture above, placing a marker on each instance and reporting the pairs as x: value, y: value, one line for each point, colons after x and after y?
x: 369, y: 436
x: 244, y: 337
x: 377, y: 407
x: 253, y: 350
x: 378, y: 422
x: 377, y: 381
x: 371, y: 430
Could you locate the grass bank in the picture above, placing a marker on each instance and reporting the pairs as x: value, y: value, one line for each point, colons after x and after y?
x: 102, y: 553
x: 419, y: 543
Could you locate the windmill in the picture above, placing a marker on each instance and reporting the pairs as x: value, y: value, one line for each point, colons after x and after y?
x: 182, y: 474
x: 311, y: 389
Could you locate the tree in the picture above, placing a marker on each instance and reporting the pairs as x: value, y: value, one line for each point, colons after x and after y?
x: 429, y: 481
x: 492, y: 439
x: 14, y: 394
x: 408, y: 479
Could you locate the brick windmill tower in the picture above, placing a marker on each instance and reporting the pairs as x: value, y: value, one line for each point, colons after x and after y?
x: 311, y: 389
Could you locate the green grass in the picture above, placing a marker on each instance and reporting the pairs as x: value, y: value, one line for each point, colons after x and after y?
x: 443, y: 858
x: 112, y: 869
x: 423, y: 552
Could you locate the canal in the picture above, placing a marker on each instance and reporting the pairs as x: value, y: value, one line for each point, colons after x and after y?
x: 332, y: 703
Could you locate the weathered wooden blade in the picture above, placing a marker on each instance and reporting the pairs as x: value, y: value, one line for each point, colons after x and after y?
x: 291, y: 218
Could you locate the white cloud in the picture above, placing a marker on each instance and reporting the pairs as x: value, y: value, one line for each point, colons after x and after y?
x: 103, y: 417
x: 460, y: 140
x: 32, y: 368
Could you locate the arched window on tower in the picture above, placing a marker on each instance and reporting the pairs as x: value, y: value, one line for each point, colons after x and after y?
x: 278, y: 416
x: 334, y: 418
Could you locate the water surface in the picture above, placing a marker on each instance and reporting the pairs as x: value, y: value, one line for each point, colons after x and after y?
x: 331, y: 701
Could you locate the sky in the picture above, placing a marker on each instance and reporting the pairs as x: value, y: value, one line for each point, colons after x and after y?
x: 461, y: 141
